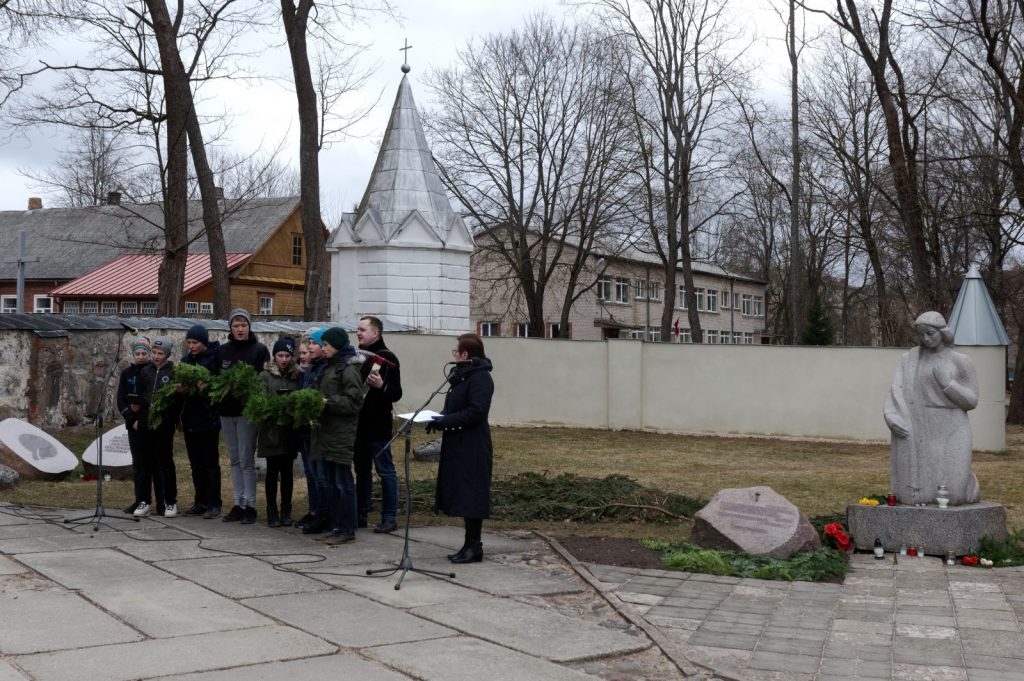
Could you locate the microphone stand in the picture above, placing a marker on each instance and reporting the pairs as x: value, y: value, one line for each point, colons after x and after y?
x: 99, y: 514
x: 405, y: 565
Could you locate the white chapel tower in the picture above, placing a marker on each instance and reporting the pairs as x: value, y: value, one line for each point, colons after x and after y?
x: 404, y: 254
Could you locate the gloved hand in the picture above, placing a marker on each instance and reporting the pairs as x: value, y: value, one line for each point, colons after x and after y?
x: 435, y: 425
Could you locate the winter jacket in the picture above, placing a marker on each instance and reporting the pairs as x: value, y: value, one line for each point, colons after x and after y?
x: 276, y: 440
x: 464, y: 474
x: 251, y: 352
x: 152, y: 379
x: 197, y: 414
x: 129, y: 384
x: 343, y: 387
x: 376, y: 419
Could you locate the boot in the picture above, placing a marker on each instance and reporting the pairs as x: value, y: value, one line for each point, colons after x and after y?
x: 286, y: 515
x: 319, y: 523
x: 273, y: 519
x: 469, y: 554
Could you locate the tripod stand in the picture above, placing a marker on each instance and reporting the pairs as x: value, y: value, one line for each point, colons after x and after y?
x: 405, y: 562
x: 99, y: 514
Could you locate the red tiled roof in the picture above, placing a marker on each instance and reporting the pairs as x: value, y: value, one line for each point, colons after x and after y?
x: 136, y: 275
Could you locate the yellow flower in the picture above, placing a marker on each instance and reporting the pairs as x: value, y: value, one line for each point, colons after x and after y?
x: 864, y: 501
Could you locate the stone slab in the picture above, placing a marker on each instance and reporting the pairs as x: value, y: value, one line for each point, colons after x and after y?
x: 9, y: 673
x: 240, y: 576
x: 532, y: 630
x: 417, y: 589
x: 958, y: 528
x: 10, y: 567
x: 508, y: 580
x: 340, y: 666
x: 170, y: 656
x: 347, y: 620
x: 466, y: 659
x: 451, y: 538
x: 38, y: 619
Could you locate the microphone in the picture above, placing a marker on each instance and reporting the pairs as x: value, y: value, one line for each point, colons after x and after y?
x: 128, y: 327
x: 377, y: 359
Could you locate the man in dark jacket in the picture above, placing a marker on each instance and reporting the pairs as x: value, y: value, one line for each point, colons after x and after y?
x: 201, y: 427
x: 160, y: 440
x: 376, y: 428
x: 239, y: 433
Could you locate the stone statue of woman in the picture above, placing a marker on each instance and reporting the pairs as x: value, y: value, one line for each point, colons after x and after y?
x: 926, y: 410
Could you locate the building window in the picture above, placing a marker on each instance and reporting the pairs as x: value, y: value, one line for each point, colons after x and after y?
x: 90, y: 307
x: 735, y: 301
x: 758, y: 306
x: 108, y: 307
x: 640, y: 289
x: 654, y: 334
x: 490, y: 329
x: 684, y: 336
x: 266, y: 303
x: 748, y: 338
x: 129, y: 307
x: 191, y: 307
x: 682, y: 298
x: 654, y: 290
x: 712, y: 300
x: 725, y: 300
x: 8, y: 303
x: 604, y: 288
x: 148, y: 307
x: 737, y: 337
x: 712, y: 336
x: 44, y: 304
x: 554, y: 328
x: 748, y: 304
x: 621, y: 290
x: 296, y: 249
x: 70, y: 307
x: 522, y: 330
x: 206, y: 308
x: 700, y: 299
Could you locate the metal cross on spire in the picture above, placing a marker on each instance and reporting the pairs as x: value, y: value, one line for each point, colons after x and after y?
x: 405, y: 58
x: 21, y: 259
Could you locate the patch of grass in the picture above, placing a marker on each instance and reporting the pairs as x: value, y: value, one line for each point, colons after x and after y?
x: 820, y: 565
x: 1003, y: 553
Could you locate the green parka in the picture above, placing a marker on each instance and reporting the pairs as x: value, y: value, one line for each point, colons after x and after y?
x: 343, y: 388
x: 275, y: 440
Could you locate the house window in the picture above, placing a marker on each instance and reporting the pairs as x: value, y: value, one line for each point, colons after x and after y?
x: 712, y: 336
x: 206, y: 308
x: 654, y: 334
x: 735, y: 301
x: 700, y: 299
x: 8, y: 303
x: 758, y: 306
x: 191, y: 307
x: 640, y: 289
x: 90, y: 307
x: 621, y: 290
x: 737, y: 337
x: 748, y: 304
x: 129, y: 307
x: 522, y: 329
x: 604, y: 288
x: 490, y: 329
x: 266, y: 303
x: 296, y: 249
x: 684, y: 336
x: 108, y: 307
x: 148, y: 307
x: 44, y: 304
x: 70, y: 307
x: 748, y: 338
x: 554, y: 328
x: 712, y: 300
x: 725, y: 300
x: 654, y: 290
x: 682, y: 298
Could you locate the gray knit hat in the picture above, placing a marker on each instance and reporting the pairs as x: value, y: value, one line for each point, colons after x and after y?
x: 163, y: 343
x: 240, y: 312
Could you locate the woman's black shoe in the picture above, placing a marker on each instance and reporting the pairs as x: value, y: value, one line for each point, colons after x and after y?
x: 320, y: 523
x: 469, y: 554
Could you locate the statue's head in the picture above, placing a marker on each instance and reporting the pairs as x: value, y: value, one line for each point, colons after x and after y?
x: 933, y: 322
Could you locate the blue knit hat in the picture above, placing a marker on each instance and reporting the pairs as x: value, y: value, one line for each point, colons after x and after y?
x: 317, y: 336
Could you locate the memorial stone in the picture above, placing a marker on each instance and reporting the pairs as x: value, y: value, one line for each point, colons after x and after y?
x: 756, y: 520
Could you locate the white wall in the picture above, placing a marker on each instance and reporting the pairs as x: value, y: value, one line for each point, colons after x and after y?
x: 740, y: 389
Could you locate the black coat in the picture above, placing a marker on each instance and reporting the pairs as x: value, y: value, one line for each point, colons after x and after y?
x: 197, y: 414
x: 251, y: 352
x: 464, y: 474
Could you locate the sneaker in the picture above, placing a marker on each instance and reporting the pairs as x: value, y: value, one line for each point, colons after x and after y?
x: 212, y: 512
x: 142, y: 510
x: 317, y: 525
x: 339, y: 537
x: 305, y: 520
x: 171, y: 511
x: 286, y: 519
x: 385, y: 527
x: 248, y: 515
x: 234, y: 515
x: 195, y: 509
x: 131, y: 509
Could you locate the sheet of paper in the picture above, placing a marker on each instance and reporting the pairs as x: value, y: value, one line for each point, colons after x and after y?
x: 422, y: 417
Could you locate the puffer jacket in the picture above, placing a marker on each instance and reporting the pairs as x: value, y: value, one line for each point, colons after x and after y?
x: 274, y: 440
x: 343, y: 388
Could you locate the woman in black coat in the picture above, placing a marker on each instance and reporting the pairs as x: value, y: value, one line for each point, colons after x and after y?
x: 464, y: 474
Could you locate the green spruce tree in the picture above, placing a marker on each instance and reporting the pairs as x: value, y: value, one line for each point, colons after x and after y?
x: 819, y: 325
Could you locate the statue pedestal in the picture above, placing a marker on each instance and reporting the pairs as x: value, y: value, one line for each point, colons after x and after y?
x: 957, y: 528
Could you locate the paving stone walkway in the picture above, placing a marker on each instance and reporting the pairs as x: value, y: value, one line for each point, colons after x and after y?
x: 202, y: 600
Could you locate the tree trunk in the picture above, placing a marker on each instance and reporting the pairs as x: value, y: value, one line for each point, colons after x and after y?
x: 317, y: 296
x: 796, y: 297
x: 212, y: 218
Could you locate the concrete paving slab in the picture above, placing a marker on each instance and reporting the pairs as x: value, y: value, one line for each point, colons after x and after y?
x: 9, y: 673
x: 170, y: 656
x: 451, y: 538
x: 348, y: 620
x: 10, y: 567
x: 911, y: 672
x: 67, y: 541
x: 467, y: 659
x: 35, y: 528
x: 532, y: 630
x: 417, y: 589
x: 92, y: 568
x: 43, y: 618
x: 509, y: 580
x: 16, y: 515
x: 152, y: 551
x: 340, y: 666
x: 240, y: 576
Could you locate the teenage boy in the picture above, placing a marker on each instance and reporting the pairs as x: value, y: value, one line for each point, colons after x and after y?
x: 160, y: 440
x: 129, y: 392
x: 200, y: 425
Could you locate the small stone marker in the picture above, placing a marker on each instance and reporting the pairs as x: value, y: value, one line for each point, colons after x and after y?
x: 32, y: 452
x: 8, y: 477
x: 117, y: 455
x: 756, y: 520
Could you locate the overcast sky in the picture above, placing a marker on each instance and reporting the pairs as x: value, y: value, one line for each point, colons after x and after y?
x: 265, y: 114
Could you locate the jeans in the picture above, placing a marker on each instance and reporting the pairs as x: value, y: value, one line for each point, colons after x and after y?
x: 204, y: 458
x: 369, y: 455
x: 337, y: 493
x: 240, y: 436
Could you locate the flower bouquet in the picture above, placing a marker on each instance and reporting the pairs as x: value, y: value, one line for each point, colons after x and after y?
x: 836, y: 534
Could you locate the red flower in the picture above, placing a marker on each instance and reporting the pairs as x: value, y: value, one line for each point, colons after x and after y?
x: 970, y: 560
x: 837, y: 533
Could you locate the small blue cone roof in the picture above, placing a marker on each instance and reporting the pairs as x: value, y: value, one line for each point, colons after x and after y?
x: 974, y: 319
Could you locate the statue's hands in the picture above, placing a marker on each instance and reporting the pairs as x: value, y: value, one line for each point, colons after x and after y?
x: 943, y: 374
x: 899, y: 430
